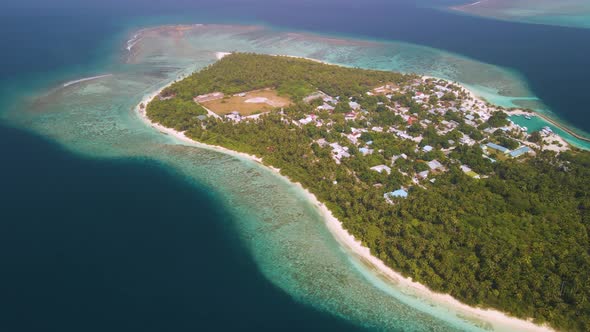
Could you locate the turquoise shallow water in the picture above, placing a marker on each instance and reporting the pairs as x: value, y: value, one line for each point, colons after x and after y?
x: 537, y: 123
x: 283, y: 233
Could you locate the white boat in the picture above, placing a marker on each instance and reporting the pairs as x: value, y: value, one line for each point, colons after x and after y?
x: 528, y: 117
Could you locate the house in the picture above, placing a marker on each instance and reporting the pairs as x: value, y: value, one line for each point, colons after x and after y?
x: 427, y: 148
x: 520, y: 151
x: 339, y: 152
x: 400, y: 193
x: 234, y: 116
x: 381, y: 169
x: 435, y: 165
x: 466, y: 140
x: 309, y: 119
x: 354, y: 105
x: 325, y: 107
x: 423, y: 175
x: 394, y: 158
x: 322, y: 142
x: 353, y: 138
x: 350, y: 116
x: 467, y: 170
x: 385, y: 89
x: 315, y: 95
x: 330, y: 99
x: 366, y: 151
x: 498, y: 148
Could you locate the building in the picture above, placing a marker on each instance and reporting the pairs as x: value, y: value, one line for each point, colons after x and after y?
x: 423, y: 175
x: 435, y: 165
x: 366, y: 151
x: 400, y: 193
x: 307, y: 120
x: 396, y: 157
x: 325, y: 107
x: 498, y: 148
x: 339, y: 152
x: 350, y: 116
x: 427, y: 148
x: 467, y: 170
x: 354, y: 105
x: 234, y: 116
x: 381, y: 169
x: 520, y: 151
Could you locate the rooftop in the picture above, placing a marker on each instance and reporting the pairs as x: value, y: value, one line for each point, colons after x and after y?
x: 498, y: 147
x: 398, y: 193
x: 520, y: 151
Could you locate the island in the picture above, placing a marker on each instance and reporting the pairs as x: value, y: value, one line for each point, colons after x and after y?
x: 440, y: 185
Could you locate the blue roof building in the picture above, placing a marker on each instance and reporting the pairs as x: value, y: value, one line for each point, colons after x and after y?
x: 398, y: 193
x: 498, y: 147
x: 520, y: 151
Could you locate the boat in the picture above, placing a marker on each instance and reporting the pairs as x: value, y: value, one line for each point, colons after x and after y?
x: 528, y: 117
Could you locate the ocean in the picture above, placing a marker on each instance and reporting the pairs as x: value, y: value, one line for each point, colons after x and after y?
x: 109, y: 224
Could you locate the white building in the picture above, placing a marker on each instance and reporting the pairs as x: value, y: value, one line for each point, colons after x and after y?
x: 381, y: 169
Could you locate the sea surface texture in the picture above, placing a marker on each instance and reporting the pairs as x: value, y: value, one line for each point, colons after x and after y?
x: 567, y: 13
x: 108, y: 224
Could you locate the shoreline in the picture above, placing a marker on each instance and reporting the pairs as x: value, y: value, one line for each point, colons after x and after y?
x: 498, y: 320
x: 553, y: 122
x: 546, y: 118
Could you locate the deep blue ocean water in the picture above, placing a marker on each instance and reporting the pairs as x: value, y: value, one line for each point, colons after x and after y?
x: 128, y: 245
x: 125, y: 245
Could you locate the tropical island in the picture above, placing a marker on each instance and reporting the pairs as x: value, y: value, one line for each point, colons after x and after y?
x: 440, y: 185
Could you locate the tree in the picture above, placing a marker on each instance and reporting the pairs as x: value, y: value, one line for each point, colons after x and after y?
x: 498, y: 119
x: 535, y: 137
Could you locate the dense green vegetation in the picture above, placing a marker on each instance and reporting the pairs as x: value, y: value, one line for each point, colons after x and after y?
x: 516, y: 240
x: 245, y: 72
x: 175, y: 113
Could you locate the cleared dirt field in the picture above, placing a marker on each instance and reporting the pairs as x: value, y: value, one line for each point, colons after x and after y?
x: 252, y: 102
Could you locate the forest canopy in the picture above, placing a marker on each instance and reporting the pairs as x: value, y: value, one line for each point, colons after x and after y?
x: 515, y: 240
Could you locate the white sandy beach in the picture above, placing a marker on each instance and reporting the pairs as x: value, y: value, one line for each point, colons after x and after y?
x: 498, y: 320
